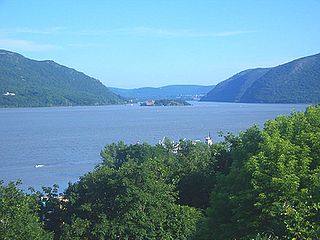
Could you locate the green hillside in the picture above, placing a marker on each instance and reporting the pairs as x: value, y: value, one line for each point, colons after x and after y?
x: 185, y: 92
x: 294, y: 82
x: 232, y: 89
x: 29, y: 83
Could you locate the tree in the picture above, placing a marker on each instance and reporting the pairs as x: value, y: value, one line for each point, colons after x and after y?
x: 194, y: 169
x: 131, y: 201
x: 273, y: 183
x: 286, y: 173
x: 51, y: 210
x: 231, y: 214
x: 18, y: 218
x: 191, y: 167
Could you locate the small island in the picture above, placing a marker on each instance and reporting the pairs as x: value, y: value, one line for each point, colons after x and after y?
x: 165, y: 102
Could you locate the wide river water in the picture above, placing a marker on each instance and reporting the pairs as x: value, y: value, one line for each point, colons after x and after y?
x: 67, y: 140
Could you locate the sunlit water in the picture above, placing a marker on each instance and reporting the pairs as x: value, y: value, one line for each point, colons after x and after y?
x: 67, y: 140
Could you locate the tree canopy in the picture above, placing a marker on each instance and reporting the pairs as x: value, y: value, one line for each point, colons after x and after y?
x: 18, y: 216
x: 274, y: 186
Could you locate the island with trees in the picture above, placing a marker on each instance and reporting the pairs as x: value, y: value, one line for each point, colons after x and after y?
x: 165, y: 102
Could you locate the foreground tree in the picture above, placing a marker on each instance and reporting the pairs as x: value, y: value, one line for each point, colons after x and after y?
x: 190, y: 167
x: 131, y: 201
x: 51, y: 209
x: 18, y: 217
x: 232, y: 214
x: 273, y: 184
x: 286, y: 173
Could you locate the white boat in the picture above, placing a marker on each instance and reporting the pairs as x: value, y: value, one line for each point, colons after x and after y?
x: 38, y: 165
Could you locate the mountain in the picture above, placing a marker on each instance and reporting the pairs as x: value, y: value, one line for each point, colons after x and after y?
x: 29, y: 83
x: 232, y: 89
x: 295, y: 82
x: 186, y: 92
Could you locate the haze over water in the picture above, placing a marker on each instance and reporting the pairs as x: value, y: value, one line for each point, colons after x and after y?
x: 68, y: 140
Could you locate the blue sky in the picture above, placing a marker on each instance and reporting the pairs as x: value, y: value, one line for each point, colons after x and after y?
x: 136, y: 43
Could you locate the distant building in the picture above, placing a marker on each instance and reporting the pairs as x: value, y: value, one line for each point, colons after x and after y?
x: 208, y: 140
x: 148, y: 103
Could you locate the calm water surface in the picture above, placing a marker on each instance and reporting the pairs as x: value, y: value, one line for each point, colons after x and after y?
x: 67, y: 140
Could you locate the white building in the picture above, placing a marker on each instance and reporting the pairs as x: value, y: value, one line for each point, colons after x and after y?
x: 208, y: 139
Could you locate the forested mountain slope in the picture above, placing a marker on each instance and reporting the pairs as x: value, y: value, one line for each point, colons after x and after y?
x: 294, y: 82
x: 232, y: 89
x: 29, y: 83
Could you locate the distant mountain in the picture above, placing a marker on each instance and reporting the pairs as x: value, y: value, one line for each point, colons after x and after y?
x: 294, y: 82
x: 232, y: 89
x: 185, y: 92
x: 29, y: 83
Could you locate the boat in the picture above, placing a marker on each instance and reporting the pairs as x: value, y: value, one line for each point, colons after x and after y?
x: 39, y: 166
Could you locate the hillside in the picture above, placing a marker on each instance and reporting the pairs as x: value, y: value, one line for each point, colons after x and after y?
x: 186, y: 92
x: 29, y: 83
x: 295, y: 82
x: 232, y: 89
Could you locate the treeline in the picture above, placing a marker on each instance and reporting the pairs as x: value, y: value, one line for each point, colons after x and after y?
x: 261, y: 184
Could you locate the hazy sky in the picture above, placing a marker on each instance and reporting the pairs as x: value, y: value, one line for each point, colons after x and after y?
x: 135, y: 43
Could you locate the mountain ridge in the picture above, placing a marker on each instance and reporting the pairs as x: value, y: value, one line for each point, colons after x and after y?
x: 182, y: 91
x: 235, y: 86
x: 47, y: 83
x: 297, y: 81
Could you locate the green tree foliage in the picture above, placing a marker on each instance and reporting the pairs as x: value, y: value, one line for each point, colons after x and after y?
x: 232, y: 213
x: 114, y: 155
x: 273, y: 183
x: 51, y: 209
x: 18, y: 218
x: 286, y: 173
x: 131, y: 201
x: 264, y: 236
x: 194, y: 168
x: 191, y: 167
